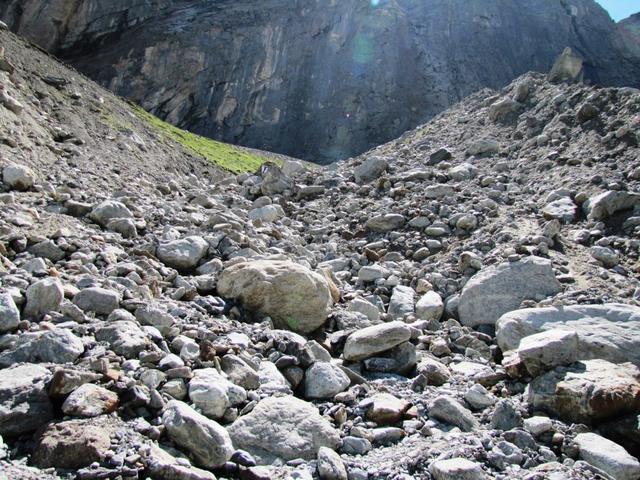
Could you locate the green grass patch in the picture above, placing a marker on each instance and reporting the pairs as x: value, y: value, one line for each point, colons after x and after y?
x: 229, y: 157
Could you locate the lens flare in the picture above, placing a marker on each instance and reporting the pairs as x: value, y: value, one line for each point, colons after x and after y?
x: 375, y: 3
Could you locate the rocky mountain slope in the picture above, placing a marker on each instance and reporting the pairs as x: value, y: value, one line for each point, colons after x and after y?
x: 314, y: 79
x: 462, y: 302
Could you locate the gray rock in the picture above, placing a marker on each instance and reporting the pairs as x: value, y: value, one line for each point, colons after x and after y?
x: 90, y: 400
x: 567, y: 68
x: 268, y: 213
x: 24, y: 403
x: 368, y: 309
x: 439, y: 155
x: 438, y: 191
x: 608, y: 456
x: 402, y: 302
x: 371, y: 273
x: 330, y: 465
x: 240, y: 372
x: 370, y: 169
x: 608, y: 331
x: 9, y: 313
x: 295, y: 297
x: 504, y: 454
x: 108, y: 210
x: 538, y: 425
x: 385, y: 223
x: 324, y: 380
x: 124, y: 226
x: 43, y: 297
x: 499, y: 289
x: 479, y: 397
x: 207, y: 442
x: 456, y: 469
x: 562, y: 209
x: 448, y: 409
x: 505, y: 416
x: 504, y: 110
x: 608, y: 203
x: 47, y: 249
x: 163, y: 466
x: 124, y: 338
x: 386, y: 409
x: 430, y: 306
x: 184, y: 254
x: 98, y: 300
x: 588, y: 391
x: 293, y: 167
x: 483, y: 146
x: 49, y: 346
x: 18, y: 177
x: 375, y: 339
x: 283, y: 427
x: 212, y: 394
x: 605, y: 255
x: 545, y: 350
x: 356, y: 445
x: 274, y: 179
x: 433, y: 372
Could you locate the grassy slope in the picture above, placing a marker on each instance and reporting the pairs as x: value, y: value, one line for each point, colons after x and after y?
x: 228, y: 157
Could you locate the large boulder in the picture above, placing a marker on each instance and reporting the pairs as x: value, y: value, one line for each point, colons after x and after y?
x: 184, y: 254
x: 90, y: 400
x: 18, y: 177
x: 430, y: 306
x: 402, y: 302
x: 212, y: 393
x: 546, y: 350
x: 324, y: 380
x: 610, y: 331
x: 608, y: 456
x: 71, y: 445
x: 448, y: 409
x: 499, y: 289
x: 285, y: 428
x: 587, y: 392
x: 274, y: 180
x: 24, y: 403
x: 567, y: 68
x: 370, y: 169
x: 295, y: 297
x: 124, y: 338
x: 608, y: 203
x: 108, y: 210
x: 50, y: 346
x: 99, y: 300
x: 207, y: 442
x: 456, y: 469
x: 369, y: 341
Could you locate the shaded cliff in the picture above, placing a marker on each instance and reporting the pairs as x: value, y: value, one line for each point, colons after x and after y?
x: 630, y: 30
x: 316, y: 79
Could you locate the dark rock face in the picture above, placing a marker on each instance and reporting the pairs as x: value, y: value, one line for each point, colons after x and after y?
x: 317, y: 79
x: 630, y: 31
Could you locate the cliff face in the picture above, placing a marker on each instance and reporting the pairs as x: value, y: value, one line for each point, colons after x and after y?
x: 630, y: 30
x: 316, y: 79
